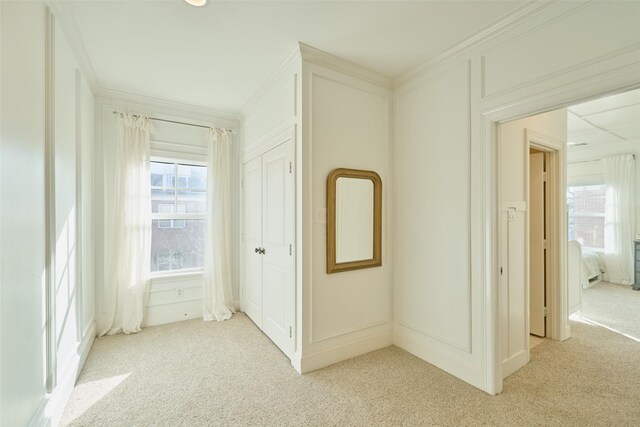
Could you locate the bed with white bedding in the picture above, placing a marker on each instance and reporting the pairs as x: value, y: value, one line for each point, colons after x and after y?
x: 591, y: 269
x: 585, y: 267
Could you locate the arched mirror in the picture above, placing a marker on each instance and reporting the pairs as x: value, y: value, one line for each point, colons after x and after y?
x: 354, y: 220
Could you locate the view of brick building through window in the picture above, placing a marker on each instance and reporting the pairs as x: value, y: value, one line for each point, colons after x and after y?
x: 178, y: 209
x: 587, y: 204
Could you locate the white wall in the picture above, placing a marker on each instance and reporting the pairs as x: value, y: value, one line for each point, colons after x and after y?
x: 171, y: 297
x: 513, y: 153
x: 347, y: 124
x: 26, y: 272
x: 585, y: 165
x: 434, y: 284
x: 545, y: 56
x: 341, y: 115
x: 73, y: 266
x: 22, y: 339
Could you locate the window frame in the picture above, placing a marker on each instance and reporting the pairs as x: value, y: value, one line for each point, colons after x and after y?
x: 587, y: 183
x: 175, y: 217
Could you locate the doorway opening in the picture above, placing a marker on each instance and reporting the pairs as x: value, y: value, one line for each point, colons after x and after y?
x: 603, y: 196
x: 566, y: 231
x: 538, y: 263
x: 531, y: 153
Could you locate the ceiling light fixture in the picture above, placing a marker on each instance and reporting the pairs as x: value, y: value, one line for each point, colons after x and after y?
x: 196, y: 3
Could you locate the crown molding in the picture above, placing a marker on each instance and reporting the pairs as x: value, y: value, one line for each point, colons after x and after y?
x: 509, y: 21
x: 179, y: 107
x: 319, y: 57
x: 265, y: 87
x: 67, y: 23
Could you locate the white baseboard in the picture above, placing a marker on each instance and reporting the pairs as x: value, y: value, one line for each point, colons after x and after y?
x: 175, y: 312
x: 85, y: 346
x: 328, y: 357
x: 39, y: 419
x: 514, y: 363
x: 415, y: 343
x: 52, y: 407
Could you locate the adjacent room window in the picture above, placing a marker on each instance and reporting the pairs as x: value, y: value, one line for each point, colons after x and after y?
x: 178, y: 206
x: 586, y: 214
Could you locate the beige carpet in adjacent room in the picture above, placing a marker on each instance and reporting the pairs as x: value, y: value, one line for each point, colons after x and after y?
x: 614, y: 306
x: 194, y: 373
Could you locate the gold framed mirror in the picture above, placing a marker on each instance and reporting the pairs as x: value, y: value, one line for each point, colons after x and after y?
x: 354, y: 220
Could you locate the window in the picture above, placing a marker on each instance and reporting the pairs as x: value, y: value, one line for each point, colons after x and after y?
x: 586, y: 214
x: 178, y: 206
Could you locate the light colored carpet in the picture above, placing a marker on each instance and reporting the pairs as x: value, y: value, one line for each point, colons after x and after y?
x: 614, y: 306
x: 194, y: 373
x: 535, y: 341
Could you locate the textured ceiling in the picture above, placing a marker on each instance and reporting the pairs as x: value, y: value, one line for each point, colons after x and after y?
x: 217, y: 56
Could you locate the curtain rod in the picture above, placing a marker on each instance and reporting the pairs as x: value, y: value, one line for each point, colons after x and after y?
x: 591, y: 161
x: 179, y: 123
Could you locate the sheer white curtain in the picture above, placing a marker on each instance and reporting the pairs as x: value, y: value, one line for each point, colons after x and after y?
x: 619, y: 218
x: 127, y: 287
x: 217, y: 294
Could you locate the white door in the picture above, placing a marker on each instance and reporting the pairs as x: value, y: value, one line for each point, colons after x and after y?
x: 536, y: 245
x: 253, y: 240
x: 278, y: 228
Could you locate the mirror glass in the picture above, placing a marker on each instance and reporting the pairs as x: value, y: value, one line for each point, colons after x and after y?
x: 354, y: 219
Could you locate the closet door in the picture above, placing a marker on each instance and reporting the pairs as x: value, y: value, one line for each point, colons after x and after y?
x: 252, y: 178
x: 278, y: 225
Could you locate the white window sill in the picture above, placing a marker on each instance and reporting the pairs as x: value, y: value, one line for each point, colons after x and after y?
x: 169, y: 276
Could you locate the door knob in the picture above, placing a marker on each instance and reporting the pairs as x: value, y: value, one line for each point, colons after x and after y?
x: 257, y: 250
x: 262, y: 251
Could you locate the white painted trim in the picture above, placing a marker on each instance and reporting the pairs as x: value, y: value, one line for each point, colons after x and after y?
x: 85, y: 345
x: 535, y: 28
x: 557, y: 303
x: 321, y: 71
x: 60, y: 396
x: 271, y: 141
x: 53, y: 404
x: 511, y: 20
x: 177, y: 313
x: 515, y: 362
x: 180, y: 108
x: 50, y: 204
x: 314, y: 340
x: 79, y: 206
x: 268, y: 85
x: 70, y: 28
x: 1, y: 210
x: 543, y: 142
x: 337, y: 354
x: 608, y: 83
x: 436, y: 337
x: 169, y: 278
x: 287, y: 77
x: 319, y: 57
x: 39, y: 418
x: 406, y: 339
x: 491, y: 363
